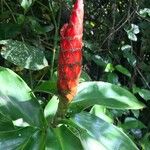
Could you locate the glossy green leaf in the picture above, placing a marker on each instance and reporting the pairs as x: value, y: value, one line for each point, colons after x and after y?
x: 17, y: 101
x: 16, y: 139
x: 36, y: 141
x: 51, y: 108
x: 52, y: 142
x: 63, y: 139
x: 99, y: 111
x: 23, y: 55
x: 103, y: 93
x: 101, y: 135
x: 123, y: 70
x: 5, y: 123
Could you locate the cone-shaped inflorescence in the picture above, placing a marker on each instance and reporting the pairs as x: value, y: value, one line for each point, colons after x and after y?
x: 70, y: 56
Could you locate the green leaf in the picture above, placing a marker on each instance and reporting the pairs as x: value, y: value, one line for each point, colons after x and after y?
x: 84, y: 77
x: 132, y: 123
x: 135, y: 89
x: 99, y: 111
x: 103, y: 93
x: 52, y: 142
x: 144, y: 12
x: 47, y: 87
x: 63, y: 139
x: 17, y: 101
x: 123, y: 70
x: 113, y: 78
x: 99, y: 60
x: 109, y: 68
x: 50, y: 86
x: 36, y: 27
x: 135, y: 29
x: 36, y: 141
x: 26, y: 4
x: 23, y: 55
x: 145, y: 94
x: 132, y: 32
x: 5, y: 123
x: 90, y: 45
x: 145, y: 142
x: 101, y: 135
x: 132, y: 36
x: 51, y: 108
x: 128, y: 54
x: 126, y: 47
x: 16, y: 139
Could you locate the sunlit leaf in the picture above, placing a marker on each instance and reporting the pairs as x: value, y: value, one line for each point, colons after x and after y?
x: 105, y: 94
x: 135, y: 28
x: 132, y: 32
x: 15, y: 139
x: 26, y: 4
x: 132, y: 36
x: 128, y: 54
x: 23, y: 55
x: 99, y: 111
x: 101, y: 135
x: 109, y: 68
x: 51, y: 108
x: 17, y: 101
x: 144, y: 12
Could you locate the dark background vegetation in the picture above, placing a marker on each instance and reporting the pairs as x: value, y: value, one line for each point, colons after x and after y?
x: 116, y: 48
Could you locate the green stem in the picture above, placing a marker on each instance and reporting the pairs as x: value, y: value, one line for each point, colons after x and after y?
x: 56, y: 25
x: 61, y: 111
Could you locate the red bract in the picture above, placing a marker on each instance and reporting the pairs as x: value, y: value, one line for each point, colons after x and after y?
x: 70, y: 56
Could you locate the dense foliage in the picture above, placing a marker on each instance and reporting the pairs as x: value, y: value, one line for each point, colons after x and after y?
x: 111, y: 109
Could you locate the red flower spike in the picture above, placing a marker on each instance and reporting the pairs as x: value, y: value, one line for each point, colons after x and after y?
x: 70, y: 56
